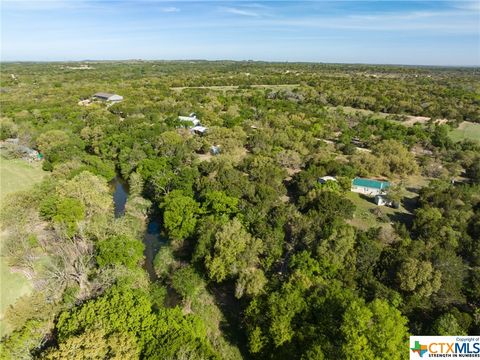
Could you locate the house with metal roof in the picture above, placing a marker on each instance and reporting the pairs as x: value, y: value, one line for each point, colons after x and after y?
x: 369, y: 186
x: 114, y: 98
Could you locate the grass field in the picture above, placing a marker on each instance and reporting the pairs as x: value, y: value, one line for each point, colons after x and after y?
x: 15, y: 175
x: 466, y: 130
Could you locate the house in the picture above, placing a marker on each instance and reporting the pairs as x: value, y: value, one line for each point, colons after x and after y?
x: 382, y: 200
x: 324, y: 179
x: 197, y: 127
x: 192, y: 119
x: 200, y: 130
x: 369, y: 186
x: 113, y: 98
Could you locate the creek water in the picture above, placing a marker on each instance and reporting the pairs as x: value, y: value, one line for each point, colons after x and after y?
x: 152, y: 238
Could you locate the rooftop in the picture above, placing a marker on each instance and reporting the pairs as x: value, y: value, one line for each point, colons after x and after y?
x: 375, y: 184
x: 103, y: 95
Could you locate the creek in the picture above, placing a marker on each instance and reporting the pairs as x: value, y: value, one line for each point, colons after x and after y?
x: 152, y: 239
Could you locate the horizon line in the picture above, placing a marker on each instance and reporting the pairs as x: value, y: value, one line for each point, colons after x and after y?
x: 239, y: 61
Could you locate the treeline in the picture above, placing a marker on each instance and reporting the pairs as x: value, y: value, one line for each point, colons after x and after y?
x: 440, y: 93
x: 261, y: 261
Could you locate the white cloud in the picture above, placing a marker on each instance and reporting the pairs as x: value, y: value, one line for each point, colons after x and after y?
x: 34, y: 5
x: 170, y: 9
x: 467, y: 5
x: 242, y: 12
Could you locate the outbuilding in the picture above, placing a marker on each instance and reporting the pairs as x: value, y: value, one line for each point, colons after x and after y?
x: 114, y: 98
x: 324, y: 179
x: 382, y: 200
x: 200, y: 130
x: 369, y: 186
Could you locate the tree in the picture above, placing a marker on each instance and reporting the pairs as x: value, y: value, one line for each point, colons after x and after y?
x: 373, y: 331
x: 92, y: 191
x: 187, y: 283
x: 251, y: 282
x: 51, y: 139
x: 95, y: 344
x: 218, y: 203
x: 164, y: 262
x: 162, y: 334
x: 120, y: 250
x: 19, y: 344
x: 447, y: 325
x: 333, y: 250
x: 473, y: 171
x: 179, y: 215
x: 397, y: 158
x: 8, y: 129
x: 419, y: 277
x: 395, y: 193
x: 135, y: 184
x: 68, y: 213
x: 234, y: 249
x: 283, y: 306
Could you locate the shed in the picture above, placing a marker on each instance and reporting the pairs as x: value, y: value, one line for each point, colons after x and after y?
x: 324, y: 179
x: 108, y: 97
x: 382, y: 200
x: 369, y: 186
x: 198, y: 130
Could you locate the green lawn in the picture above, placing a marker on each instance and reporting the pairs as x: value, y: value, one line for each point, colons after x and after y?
x: 363, y: 218
x: 466, y: 130
x: 15, y: 175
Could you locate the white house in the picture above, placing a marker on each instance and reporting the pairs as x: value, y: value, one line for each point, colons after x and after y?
x: 113, y: 98
x: 192, y: 119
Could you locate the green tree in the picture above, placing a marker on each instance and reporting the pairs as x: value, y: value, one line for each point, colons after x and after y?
x: 373, y: 331
x: 419, y: 277
x: 187, y: 283
x: 218, y: 203
x: 68, y: 213
x: 179, y: 215
x: 120, y: 250
x: 234, y: 249
x: 397, y: 158
x: 447, y: 325
x: 8, y: 129
x: 95, y: 344
x: 164, y: 262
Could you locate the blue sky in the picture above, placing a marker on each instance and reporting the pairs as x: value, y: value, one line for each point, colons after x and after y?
x: 389, y: 32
